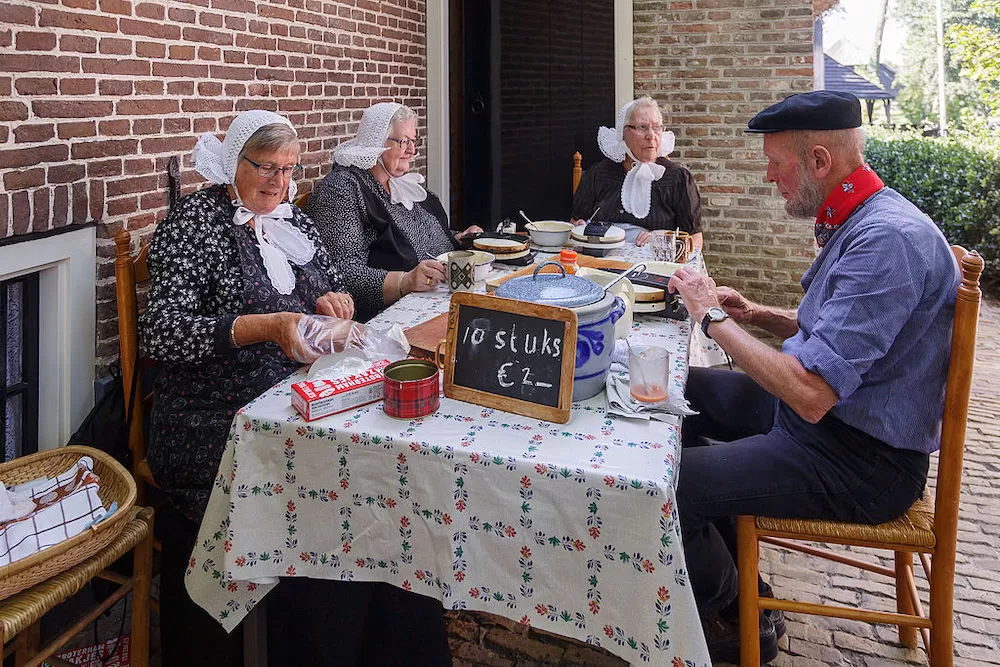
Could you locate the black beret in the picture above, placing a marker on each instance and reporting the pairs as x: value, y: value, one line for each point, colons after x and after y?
x: 818, y: 110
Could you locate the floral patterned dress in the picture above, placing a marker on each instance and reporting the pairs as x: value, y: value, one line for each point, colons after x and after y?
x: 205, y: 272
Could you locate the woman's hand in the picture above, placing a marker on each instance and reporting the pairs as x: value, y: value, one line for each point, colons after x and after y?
x: 643, y: 238
x: 284, y: 331
x: 336, y: 304
x: 425, y: 276
x: 474, y: 229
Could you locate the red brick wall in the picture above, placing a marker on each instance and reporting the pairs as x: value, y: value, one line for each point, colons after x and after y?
x: 712, y: 65
x: 97, y: 95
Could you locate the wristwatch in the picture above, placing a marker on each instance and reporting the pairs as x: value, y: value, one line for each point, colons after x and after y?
x: 713, y: 314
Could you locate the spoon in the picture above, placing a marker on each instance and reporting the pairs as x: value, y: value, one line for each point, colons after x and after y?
x: 637, y: 268
x: 591, y: 215
x: 531, y: 223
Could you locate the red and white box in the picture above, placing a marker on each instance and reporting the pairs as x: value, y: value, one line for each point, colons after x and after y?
x: 315, y: 399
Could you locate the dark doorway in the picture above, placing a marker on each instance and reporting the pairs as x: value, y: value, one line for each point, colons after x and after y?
x: 530, y: 84
x: 19, y: 365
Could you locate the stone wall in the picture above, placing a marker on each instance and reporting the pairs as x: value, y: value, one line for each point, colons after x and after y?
x: 97, y: 95
x: 712, y: 65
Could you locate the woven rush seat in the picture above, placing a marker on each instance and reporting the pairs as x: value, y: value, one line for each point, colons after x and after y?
x: 913, y: 529
x: 21, y: 610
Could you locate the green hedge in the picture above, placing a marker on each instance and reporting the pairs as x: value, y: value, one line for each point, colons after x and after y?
x: 954, y: 180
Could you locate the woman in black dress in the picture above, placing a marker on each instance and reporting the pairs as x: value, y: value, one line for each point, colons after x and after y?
x: 378, y: 222
x: 637, y: 187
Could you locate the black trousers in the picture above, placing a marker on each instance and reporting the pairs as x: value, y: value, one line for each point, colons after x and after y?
x: 309, y: 621
x: 748, y: 453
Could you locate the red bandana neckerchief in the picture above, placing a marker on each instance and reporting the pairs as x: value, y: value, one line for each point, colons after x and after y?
x: 861, y: 184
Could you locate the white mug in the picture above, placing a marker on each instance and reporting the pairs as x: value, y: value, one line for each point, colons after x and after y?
x: 460, y: 270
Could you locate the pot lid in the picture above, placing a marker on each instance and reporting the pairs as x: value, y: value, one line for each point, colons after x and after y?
x: 553, y: 289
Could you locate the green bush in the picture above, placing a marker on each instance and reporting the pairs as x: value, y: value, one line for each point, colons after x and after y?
x: 954, y: 180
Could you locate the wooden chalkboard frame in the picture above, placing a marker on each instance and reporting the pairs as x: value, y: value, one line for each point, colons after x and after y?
x: 559, y: 414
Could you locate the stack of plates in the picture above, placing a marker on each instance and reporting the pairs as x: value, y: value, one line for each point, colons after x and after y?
x: 615, y: 235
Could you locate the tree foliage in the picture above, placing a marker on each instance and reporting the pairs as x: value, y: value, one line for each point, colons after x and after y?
x: 975, y: 47
x: 971, y: 39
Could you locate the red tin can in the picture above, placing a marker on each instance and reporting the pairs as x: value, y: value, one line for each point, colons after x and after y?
x: 411, y: 388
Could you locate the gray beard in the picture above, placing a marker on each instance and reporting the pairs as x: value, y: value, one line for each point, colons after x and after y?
x: 807, y: 200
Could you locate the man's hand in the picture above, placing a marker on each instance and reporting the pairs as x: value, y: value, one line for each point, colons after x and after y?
x: 697, y: 290
x: 736, y: 305
x: 336, y: 304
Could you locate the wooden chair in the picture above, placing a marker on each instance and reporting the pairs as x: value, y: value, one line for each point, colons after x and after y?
x: 129, y: 273
x: 577, y: 170
x: 928, y: 529
x: 301, y: 199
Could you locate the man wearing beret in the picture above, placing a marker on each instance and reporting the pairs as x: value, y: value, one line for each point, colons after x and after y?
x: 838, y: 424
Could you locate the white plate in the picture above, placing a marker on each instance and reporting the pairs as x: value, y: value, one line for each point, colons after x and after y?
x: 598, y: 246
x: 494, y: 245
x: 546, y: 248
x: 614, y: 235
x: 512, y: 255
x: 662, y: 268
x: 648, y: 306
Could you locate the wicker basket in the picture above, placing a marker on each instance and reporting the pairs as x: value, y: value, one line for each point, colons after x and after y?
x: 116, y: 485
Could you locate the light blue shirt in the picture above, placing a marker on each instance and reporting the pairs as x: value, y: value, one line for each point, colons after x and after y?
x: 876, y: 319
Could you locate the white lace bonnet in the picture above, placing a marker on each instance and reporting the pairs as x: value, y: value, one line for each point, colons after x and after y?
x: 368, y: 144
x: 217, y: 160
x: 612, y: 142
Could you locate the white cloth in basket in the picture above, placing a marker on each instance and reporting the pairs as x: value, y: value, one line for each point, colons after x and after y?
x: 64, y: 507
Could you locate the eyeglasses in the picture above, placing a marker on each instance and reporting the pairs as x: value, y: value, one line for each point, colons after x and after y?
x: 406, y: 143
x: 271, y: 170
x: 643, y: 129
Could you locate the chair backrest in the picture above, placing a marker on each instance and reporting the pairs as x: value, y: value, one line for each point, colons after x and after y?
x: 577, y: 170
x: 130, y: 272
x: 300, y: 200
x: 956, y: 405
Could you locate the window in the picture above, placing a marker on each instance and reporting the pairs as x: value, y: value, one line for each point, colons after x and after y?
x: 19, y: 365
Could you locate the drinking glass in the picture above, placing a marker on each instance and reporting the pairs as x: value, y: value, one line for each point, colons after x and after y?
x: 649, y: 370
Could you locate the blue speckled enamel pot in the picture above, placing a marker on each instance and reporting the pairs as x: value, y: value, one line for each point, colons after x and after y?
x: 595, y: 338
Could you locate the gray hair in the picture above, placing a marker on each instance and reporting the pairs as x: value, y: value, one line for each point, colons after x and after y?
x: 844, y: 145
x: 403, y: 114
x: 270, y: 139
x: 642, y: 103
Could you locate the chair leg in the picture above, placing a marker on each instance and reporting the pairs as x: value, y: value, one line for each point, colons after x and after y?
x: 748, y: 556
x: 942, y: 607
x: 28, y: 644
x: 142, y: 574
x: 904, y: 604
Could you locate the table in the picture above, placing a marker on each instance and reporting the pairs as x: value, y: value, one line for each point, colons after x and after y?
x: 571, y: 528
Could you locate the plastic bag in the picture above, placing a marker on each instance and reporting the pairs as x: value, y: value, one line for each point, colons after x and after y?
x: 321, y: 335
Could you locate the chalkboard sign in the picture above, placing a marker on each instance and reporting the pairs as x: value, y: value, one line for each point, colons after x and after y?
x: 512, y: 355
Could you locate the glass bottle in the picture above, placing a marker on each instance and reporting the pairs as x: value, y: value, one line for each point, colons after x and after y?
x: 567, y: 258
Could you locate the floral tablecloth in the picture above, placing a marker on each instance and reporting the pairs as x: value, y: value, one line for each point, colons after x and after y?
x: 571, y: 528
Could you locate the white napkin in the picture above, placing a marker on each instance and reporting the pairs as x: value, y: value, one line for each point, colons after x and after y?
x: 14, y: 505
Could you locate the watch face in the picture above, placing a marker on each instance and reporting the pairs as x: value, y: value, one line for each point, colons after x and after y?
x: 716, y: 314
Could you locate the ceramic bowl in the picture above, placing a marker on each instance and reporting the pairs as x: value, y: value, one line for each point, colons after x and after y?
x: 549, y: 232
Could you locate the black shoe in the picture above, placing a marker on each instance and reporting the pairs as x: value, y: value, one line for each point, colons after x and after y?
x: 723, y: 638
x: 777, y: 618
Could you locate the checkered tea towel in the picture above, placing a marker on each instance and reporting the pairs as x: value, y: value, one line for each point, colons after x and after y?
x: 64, y: 507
